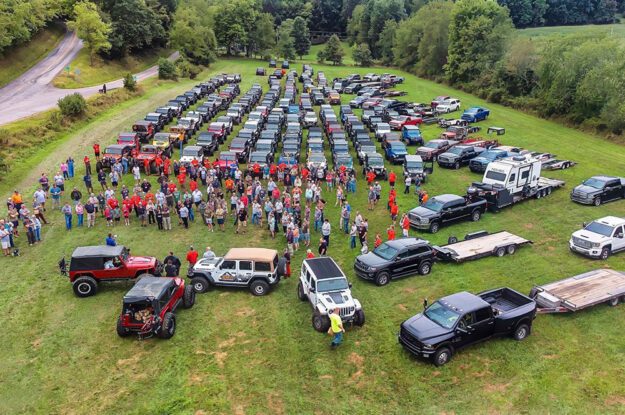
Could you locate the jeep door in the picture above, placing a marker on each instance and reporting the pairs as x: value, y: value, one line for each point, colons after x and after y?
x: 311, y: 287
x: 618, y: 239
x: 245, y: 270
x: 226, y: 274
x: 114, y: 268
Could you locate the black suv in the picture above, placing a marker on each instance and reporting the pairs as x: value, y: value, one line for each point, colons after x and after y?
x: 395, y: 259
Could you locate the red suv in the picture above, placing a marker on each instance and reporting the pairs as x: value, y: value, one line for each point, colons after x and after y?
x: 91, y: 265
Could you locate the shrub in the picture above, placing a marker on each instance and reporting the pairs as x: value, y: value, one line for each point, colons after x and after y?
x: 130, y: 82
x: 167, y: 69
x: 72, y: 105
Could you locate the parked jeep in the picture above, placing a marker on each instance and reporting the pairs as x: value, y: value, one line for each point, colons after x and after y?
x: 394, y: 259
x: 253, y: 268
x: 600, y: 238
x: 325, y: 286
x: 91, y: 265
x: 375, y: 163
x: 462, y: 319
x: 148, y: 308
x: 598, y: 190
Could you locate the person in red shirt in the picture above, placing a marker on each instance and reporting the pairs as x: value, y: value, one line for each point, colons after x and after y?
x: 390, y: 232
x: 256, y: 170
x: 195, y: 163
x: 370, y: 177
x: 183, y: 169
x: 146, y: 166
x: 309, y: 254
x: 305, y: 174
x: 272, y: 171
x: 405, y: 225
x: 113, y: 203
x: 275, y: 194
x: 171, y: 187
x: 127, y: 202
x: 378, y: 240
x: 394, y: 212
x: 192, y: 257
x: 192, y: 185
x: 87, y: 165
x: 182, y: 178
x: 149, y: 196
x: 391, y: 178
x: 391, y: 200
x: 96, y: 151
x: 159, y: 164
x: 166, y: 165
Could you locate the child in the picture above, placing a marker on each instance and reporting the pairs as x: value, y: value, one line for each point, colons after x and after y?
x: 126, y: 213
x: 378, y: 240
x: 108, y: 215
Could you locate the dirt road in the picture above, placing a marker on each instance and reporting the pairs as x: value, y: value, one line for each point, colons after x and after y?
x: 33, y: 92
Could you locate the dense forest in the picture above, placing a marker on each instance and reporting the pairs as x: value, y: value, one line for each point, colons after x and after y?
x: 470, y: 44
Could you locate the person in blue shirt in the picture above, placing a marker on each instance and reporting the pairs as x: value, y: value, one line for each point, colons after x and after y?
x: 110, y: 240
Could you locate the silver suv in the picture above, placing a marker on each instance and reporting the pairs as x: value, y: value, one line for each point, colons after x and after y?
x: 325, y: 286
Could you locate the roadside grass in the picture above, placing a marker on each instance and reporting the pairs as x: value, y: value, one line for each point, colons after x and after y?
x: 235, y: 353
x: 103, y: 71
x: 14, y: 62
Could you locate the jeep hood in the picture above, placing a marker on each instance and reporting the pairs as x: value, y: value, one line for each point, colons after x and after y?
x: 590, y: 236
x: 335, y: 298
x: 140, y: 261
x: 423, y: 328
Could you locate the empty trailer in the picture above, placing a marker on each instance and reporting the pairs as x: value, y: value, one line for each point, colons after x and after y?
x: 480, y: 244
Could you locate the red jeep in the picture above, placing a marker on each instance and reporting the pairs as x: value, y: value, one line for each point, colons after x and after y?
x: 131, y: 139
x: 225, y: 160
x: 145, y: 130
x: 148, y: 152
x: 91, y: 265
x: 148, y: 308
x: 113, y: 154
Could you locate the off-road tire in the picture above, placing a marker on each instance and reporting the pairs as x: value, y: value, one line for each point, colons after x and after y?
x: 200, y: 284
x: 188, y: 298
x: 382, y: 278
x: 442, y: 356
x: 85, y: 286
x: 521, y: 332
x: 359, y: 318
x: 121, y: 330
x: 300, y: 292
x: 452, y: 240
x: 425, y: 268
x: 168, y: 327
x: 320, y: 323
x: 259, y: 288
x: 456, y: 166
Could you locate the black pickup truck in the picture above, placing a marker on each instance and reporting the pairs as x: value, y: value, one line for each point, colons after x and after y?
x: 598, y: 190
x: 462, y: 319
x: 445, y: 209
x: 458, y: 156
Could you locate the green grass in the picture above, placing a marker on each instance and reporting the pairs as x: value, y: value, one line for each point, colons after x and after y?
x: 19, y: 59
x: 541, y: 33
x: 235, y: 353
x: 105, y: 70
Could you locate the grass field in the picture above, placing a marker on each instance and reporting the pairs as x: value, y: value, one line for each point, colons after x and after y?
x: 18, y: 60
x: 541, y: 33
x: 104, y: 70
x: 235, y: 353
x: 314, y: 50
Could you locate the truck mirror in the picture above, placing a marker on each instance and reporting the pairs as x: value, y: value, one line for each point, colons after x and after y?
x: 312, y: 290
x: 425, y: 303
x: 584, y: 224
x: 462, y: 330
x: 349, y: 285
x: 620, y: 236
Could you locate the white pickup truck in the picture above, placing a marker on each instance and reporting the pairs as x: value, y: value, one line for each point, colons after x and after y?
x: 600, y: 238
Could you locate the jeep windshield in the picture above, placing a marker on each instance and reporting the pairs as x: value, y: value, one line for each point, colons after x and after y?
x: 149, y: 149
x: 317, y: 158
x: 334, y: 284
x: 441, y: 315
x: 433, y: 205
x: 592, y: 182
x: 414, y: 165
x: 599, y: 228
x: 258, y: 158
x: 376, y: 162
x: 190, y: 152
x: 385, y: 251
x: 113, y: 150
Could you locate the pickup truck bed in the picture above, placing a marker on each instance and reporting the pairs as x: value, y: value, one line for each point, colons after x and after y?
x: 505, y: 300
x: 481, y: 244
x: 581, y: 291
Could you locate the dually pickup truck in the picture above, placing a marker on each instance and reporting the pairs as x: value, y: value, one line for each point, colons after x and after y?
x: 445, y: 209
x: 462, y: 319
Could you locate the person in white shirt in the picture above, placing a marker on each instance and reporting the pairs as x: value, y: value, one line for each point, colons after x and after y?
x: 326, y: 228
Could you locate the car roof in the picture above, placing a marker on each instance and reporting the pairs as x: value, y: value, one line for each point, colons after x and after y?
x: 605, y: 178
x: 195, y: 148
x: 611, y: 220
x: 97, y: 251
x: 411, y: 127
x: 251, y: 254
x: 412, y: 157
x: 447, y: 198
x: 464, y: 302
x: 324, y: 268
x: 148, y: 287
x: 404, y: 242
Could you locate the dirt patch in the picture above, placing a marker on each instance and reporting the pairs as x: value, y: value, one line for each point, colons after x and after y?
x: 496, y: 387
x: 196, y: 379
x: 529, y: 226
x: 481, y: 374
x: 356, y: 359
x: 36, y: 343
x: 551, y: 248
x: 200, y: 412
x: 326, y: 377
x: 436, y: 373
x: 615, y: 400
x: 239, y: 410
x: 402, y: 307
x: 227, y: 343
x: 220, y: 358
x: 245, y: 312
x: 550, y: 356
x: 200, y: 352
x: 409, y: 290
x: 275, y: 404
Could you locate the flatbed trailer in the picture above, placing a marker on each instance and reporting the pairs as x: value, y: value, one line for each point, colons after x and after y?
x: 480, y: 244
x: 580, y: 292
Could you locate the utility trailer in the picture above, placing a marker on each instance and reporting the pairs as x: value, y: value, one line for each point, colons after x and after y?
x: 478, y: 245
x: 513, y: 180
x: 580, y: 292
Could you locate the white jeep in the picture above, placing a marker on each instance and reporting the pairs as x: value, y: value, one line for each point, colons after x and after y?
x: 325, y: 286
x: 600, y: 238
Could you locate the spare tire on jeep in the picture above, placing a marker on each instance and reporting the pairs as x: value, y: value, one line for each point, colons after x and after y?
x: 188, y: 298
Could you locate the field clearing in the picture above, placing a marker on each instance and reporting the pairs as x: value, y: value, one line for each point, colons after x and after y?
x: 235, y: 353
x: 616, y: 30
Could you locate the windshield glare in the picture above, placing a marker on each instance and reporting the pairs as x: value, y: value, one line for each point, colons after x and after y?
x: 442, y: 315
x: 433, y: 204
x: 335, y: 284
x: 385, y: 251
x: 592, y: 182
x: 600, y: 228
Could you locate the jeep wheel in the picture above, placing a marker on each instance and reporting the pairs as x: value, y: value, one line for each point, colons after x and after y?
x: 300, y: 292
x: 359, y: 318
x: 442, y: 356
x: 85, y: 287
x: 476, y: 215
x: 200, y: 284
x: 597, y: 201
x: 521, y: 332
x: 511, y: 249
x: 382, y: 278
x: 434, y: 227
x: 605, y: 253
x: 121, y: 330
x: 320, y: 323
x: 259, y: 287
x: 425, y: 268
x: 501, y: 251
x: 168, y: 329
x: 188, y: 298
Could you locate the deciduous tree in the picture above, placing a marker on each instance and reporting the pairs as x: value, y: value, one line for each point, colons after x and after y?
x: 301, y: 36
x: 89, y: 27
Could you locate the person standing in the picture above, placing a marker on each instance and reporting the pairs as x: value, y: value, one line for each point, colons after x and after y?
x: 336, y: 327
x: 326, y: 228
x: 173, y: 259
x: 96, y: 151
x: 407, y: 183
x: 90, y: 209
x: 405, y: 225
x: 184, y: 215
x: 192, y: 256
x: 87, y: 165
x: 166, y: 217
x: 70, y: 167
x: 80, y: 213
x: 391, y: 178
x: 5, y: 238
x: 352, y: 235
x: 67, y: 211
x: 323, y: 247
x: 170, y: 269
